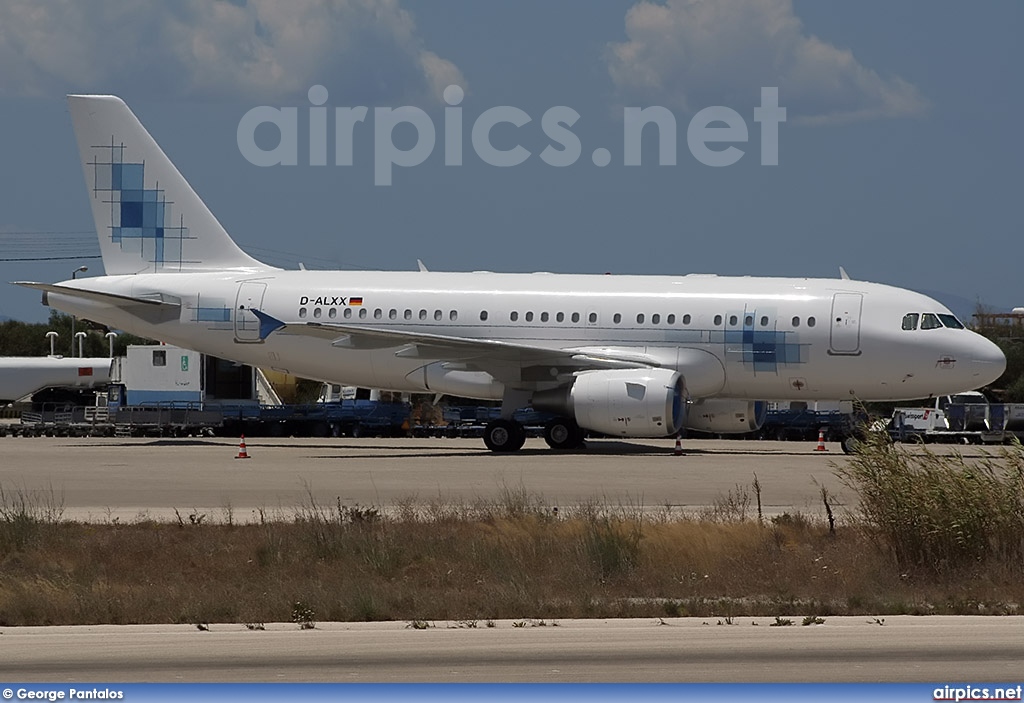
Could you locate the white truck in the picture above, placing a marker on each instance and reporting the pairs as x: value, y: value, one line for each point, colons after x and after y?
x: 965, y: 417
x: 21, y: 376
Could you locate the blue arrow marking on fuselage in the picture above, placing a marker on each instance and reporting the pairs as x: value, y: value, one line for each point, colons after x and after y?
x: 268, y: 324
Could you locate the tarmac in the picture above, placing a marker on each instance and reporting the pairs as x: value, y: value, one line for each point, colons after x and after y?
x: 843, y: 649
x: 99, y: 479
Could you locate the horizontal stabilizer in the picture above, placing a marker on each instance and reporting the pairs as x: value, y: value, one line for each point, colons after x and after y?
x: 114, y: 299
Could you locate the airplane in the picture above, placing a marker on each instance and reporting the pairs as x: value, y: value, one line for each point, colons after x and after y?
x: 621, y: 355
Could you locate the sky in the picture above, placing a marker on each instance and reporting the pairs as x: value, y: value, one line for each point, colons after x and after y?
x: 901, y: 157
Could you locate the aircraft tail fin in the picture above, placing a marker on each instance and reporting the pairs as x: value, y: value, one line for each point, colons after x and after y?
x: 148, y: 218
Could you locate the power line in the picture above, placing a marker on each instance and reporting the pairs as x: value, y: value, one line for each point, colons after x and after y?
x: 51, y: 258
x: 6, y: 232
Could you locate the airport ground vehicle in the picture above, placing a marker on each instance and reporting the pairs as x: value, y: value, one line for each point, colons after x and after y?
x: 964, y: 417
x: 160, y: 390
x: 803, y: 422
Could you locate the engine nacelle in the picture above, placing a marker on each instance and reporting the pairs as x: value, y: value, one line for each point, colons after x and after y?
x: 724, y: 416
x: 624, y: 403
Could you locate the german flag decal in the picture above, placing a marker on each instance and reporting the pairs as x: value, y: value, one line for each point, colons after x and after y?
x: 355, y: 300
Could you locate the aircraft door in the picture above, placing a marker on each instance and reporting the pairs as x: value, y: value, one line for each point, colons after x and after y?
x: 845, y: 337
x: 247, y: 326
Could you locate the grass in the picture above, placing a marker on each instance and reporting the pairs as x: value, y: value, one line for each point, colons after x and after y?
x: 940, y: 513
x: 931, y: 535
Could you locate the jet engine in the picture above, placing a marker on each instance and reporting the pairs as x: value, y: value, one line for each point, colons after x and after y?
x: 624, y: 403
x: 724, y: 416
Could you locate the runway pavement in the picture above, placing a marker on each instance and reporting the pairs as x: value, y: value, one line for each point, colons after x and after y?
x: 107, y: 479
x: 901, y: 649
x: 101, y: 479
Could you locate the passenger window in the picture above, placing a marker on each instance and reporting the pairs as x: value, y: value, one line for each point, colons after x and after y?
x: 640, y: 319
x: 718, y: 320
x: 408, y: 314
x: 560, y: 317
x: 930, y: 321
x: 347, y: 314
x: 332, y: 313
x: 764, y: 321
x: 655, y: 318
x: 423, y: 314
x: 362, y: 313
x: 543, y: 317
x: 513, y: 316
x: 686, y: 319
x: 392, y: 314
x: 671, y: 319
x: 575, y: 317
x: 302, y: 313
x: 616, y: 318
x: 453, y: 315
x: 529, y: 317
x: 377, y: 314
x: 796, y: 321
x: 592, y: 318
x: 483, y: 315
x: 811, y: 321
x: 910, y: 321
x: 748, y: 321
x: 733, y: 320
x: 317, y: 312
x: 438, y: 315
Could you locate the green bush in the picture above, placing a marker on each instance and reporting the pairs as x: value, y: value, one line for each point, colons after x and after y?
x: 939, y: 512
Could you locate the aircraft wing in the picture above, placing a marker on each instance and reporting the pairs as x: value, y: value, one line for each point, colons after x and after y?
x: 505, y: 360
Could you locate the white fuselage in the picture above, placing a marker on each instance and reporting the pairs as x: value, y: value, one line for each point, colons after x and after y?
x: 730, y: 337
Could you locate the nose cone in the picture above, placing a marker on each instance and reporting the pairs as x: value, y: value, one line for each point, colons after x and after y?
x: 987, y: 360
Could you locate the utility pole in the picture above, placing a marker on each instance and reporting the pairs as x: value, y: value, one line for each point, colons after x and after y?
x: 80, y: 269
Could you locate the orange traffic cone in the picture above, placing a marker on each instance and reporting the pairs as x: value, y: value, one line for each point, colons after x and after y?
x: 242, y: 454
x: 679, y: 448
x: 821, y: 442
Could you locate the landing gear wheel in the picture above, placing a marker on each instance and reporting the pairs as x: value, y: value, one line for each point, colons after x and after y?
x: 504, y: 436
x: 563, y: 433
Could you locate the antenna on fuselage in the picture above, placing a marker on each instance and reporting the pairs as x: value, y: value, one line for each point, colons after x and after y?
x: 843, y: 274
x: 422, y: 266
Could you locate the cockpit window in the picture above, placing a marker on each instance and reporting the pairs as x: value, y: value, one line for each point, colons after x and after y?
x: 951, y: 322
x: 930, y: 321
x: 910, y: 321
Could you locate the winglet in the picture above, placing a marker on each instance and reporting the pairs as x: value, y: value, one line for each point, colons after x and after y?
x: 268, y: 324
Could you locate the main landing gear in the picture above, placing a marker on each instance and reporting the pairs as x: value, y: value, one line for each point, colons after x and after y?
x: 509, y: 436
x: 563, y: 433
x: 504, y: 436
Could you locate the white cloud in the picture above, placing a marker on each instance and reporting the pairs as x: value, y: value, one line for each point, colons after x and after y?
x: 691, y: 54
x: 362, y: 50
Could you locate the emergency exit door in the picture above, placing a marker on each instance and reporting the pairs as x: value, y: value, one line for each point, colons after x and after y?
x: 247, y: 326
